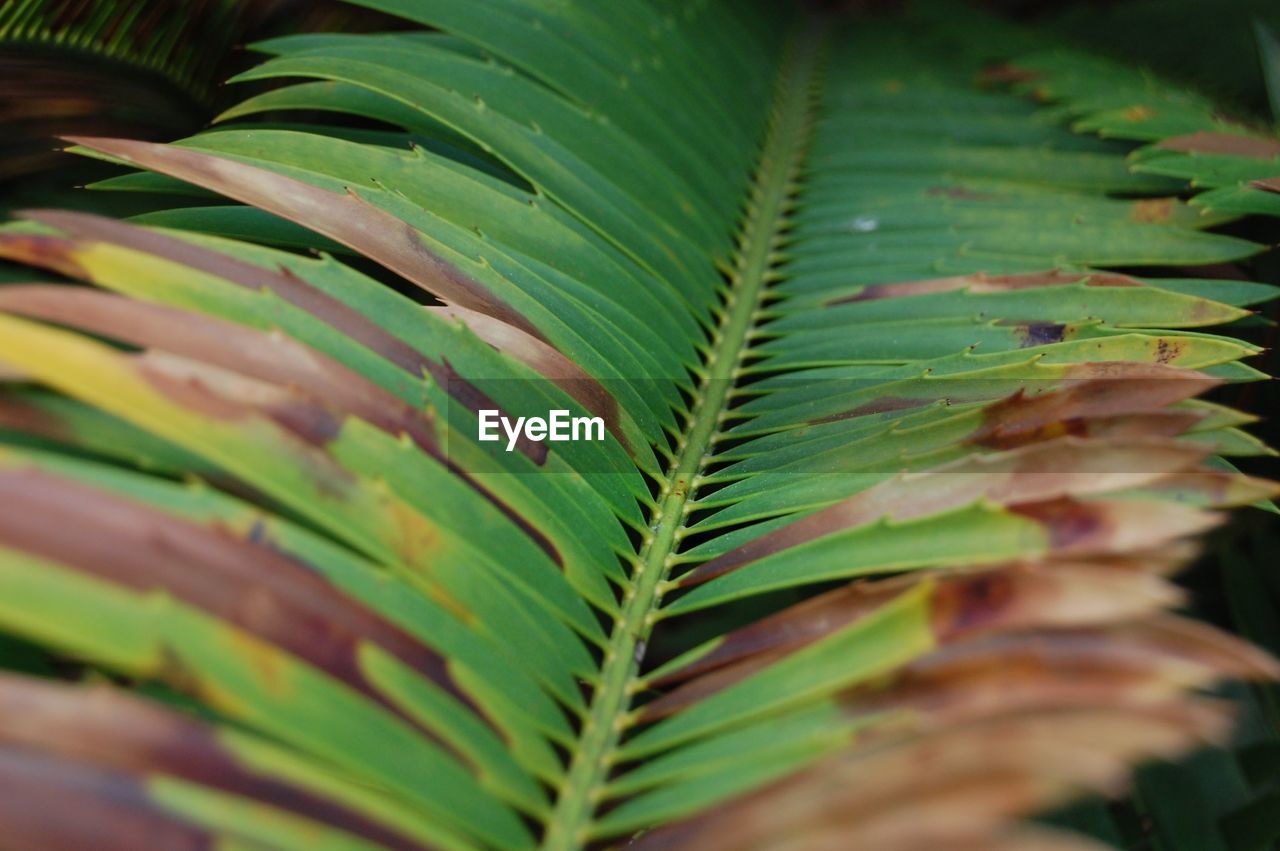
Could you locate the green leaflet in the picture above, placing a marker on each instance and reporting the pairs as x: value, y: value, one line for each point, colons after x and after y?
x: 979, y: 534
x: 897, y: 632
x: 1119, y: 306
x: 620, y: 70
x: 503, y: 124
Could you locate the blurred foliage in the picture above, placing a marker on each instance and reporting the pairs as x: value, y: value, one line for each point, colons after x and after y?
x: 148, y: 69
x: 1209, y: 45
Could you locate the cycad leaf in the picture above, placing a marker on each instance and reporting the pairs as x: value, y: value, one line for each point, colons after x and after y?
x: 833, y: 290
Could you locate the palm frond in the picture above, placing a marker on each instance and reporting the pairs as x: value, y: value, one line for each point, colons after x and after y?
x: 897, y: 461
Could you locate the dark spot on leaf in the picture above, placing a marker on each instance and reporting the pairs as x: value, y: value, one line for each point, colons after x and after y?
x: 971, y: 603
x: 1068, y: 522
x: 257, y: 533
x: 315, y: 424
x: 1167, y: 350
x: 1038, y: 333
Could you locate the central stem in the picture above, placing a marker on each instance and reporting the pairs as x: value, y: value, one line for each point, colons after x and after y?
x: 761, y: 235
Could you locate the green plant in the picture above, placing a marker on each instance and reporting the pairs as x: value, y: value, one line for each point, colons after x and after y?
x: 833, y: 286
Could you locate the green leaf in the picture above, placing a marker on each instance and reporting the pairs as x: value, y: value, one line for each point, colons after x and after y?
x: 872, y: 550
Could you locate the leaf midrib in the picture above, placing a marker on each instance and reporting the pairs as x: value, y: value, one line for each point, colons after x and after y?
x: 782, y: 155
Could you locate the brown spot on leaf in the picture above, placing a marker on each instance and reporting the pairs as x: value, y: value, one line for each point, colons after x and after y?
x: 20, y: 415
x: 1070, y: 524
x: 883, y: 405
x: 1005, y: 74
x: 47, y: 252
x: 960, y: 193
x: 1139, y: 113
x: 1208, y: 142
x: 980, y: 282
x: 1152, y: 210
x: 315, y: 424
x: 1105, y: 527
x: 1267, y: 184
x: 1167, y: 350
x: 875, y: 292
x: 1155, y: 424
x: 972, y: 603
x: 1111, y: 279
x: 1097, y: 393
